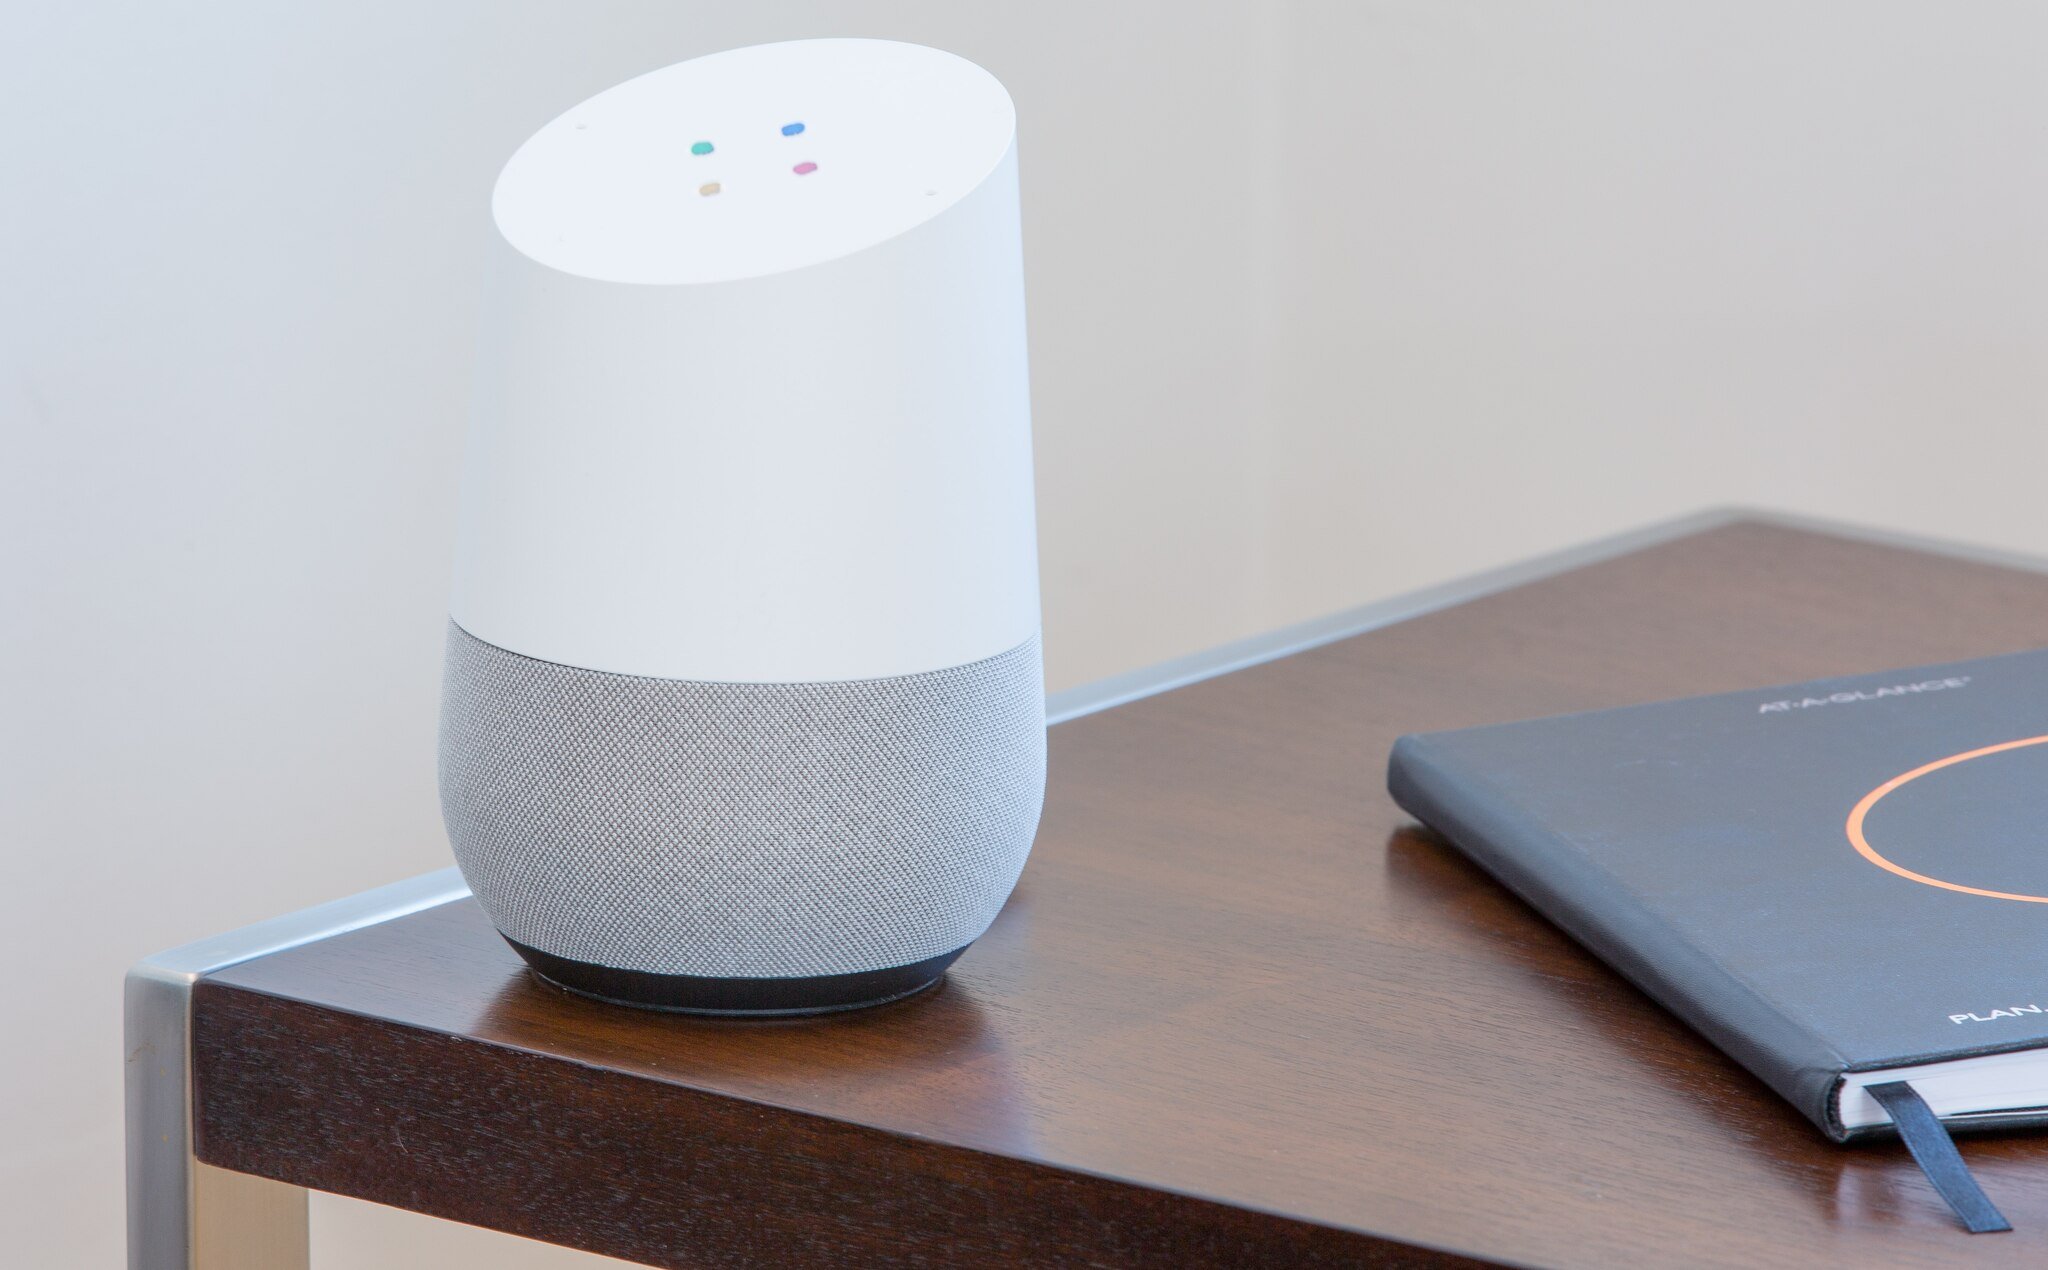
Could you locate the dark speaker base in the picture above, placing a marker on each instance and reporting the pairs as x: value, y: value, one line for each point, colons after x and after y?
x: 694, y: 994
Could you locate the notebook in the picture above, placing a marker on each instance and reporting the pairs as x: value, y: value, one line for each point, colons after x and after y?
x: 1843, y: 884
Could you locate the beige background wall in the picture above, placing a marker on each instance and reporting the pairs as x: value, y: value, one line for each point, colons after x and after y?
x: 1329, y: 300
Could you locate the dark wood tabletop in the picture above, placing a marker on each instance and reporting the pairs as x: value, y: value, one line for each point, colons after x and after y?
x: 1240, y: 1011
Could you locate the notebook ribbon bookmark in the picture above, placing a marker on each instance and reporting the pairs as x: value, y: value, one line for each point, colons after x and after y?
x: 1937, y: 1156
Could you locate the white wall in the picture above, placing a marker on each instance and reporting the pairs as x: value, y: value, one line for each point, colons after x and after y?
x: 1555, y: 267
x: 1328, y: 300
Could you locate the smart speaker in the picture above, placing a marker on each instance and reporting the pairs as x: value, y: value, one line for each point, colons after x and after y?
x: 743, y: 708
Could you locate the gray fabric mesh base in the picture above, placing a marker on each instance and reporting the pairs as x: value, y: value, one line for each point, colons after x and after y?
x: 742, y: 830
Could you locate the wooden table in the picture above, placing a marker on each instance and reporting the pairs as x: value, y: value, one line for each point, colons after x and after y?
x: 1240, y: 1011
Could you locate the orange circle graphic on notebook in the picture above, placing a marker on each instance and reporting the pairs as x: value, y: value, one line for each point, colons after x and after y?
x: 1861, y: 813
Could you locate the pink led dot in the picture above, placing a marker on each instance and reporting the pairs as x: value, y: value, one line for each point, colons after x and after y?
x: 804, y: 169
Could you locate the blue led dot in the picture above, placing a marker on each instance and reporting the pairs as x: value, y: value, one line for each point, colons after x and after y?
x: 791, y: 129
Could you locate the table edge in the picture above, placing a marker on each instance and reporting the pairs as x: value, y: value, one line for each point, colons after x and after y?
x: 1358, y: 1239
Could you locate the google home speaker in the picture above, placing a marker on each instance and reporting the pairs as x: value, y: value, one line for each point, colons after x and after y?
x: 744, y: 708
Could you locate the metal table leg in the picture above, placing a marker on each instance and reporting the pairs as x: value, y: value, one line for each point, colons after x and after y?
x: 182, y: 1214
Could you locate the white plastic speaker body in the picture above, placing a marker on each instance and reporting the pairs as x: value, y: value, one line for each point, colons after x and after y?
x: 744, y: 707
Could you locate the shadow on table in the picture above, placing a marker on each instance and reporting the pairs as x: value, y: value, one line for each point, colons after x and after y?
x: 926, y: 1064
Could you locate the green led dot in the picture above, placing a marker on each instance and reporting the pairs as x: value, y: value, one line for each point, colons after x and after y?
x: 702, y: 147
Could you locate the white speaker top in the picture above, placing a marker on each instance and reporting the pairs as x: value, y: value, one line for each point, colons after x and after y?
x: 752, y: 395
x: 754, y: 161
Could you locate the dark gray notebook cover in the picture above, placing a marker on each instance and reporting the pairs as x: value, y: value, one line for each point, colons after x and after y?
x: 1713, y: 851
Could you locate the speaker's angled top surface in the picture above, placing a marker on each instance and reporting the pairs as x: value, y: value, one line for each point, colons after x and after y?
x: 754, y: 161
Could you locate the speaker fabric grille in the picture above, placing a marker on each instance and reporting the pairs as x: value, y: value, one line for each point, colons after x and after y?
x: 747, y: 830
